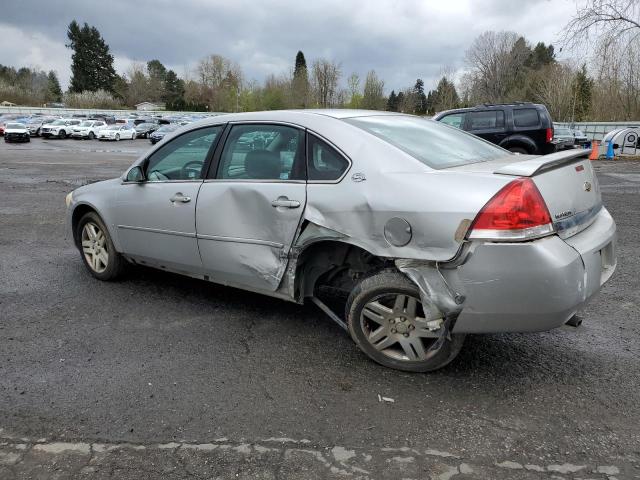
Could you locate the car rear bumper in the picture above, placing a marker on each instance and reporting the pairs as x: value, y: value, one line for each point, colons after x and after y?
x: 534, y: 286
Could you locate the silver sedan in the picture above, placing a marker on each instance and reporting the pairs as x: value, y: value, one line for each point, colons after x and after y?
x: 406, y: 232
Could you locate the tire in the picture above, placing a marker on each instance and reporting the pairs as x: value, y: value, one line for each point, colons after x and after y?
x: 62, y: 134
x: 28, y: 139
x: 91, y: 136
x: 382, y: 291
x: 133, y: 136
x: 88, y: 246
x: 117, y: 137
x: 37, y: 132
x: 521, y: 150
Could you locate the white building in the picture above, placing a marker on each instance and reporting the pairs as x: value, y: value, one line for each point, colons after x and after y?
x: 148, y: 106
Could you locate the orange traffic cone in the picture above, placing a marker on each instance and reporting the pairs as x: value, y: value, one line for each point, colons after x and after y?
x: 594, y: 150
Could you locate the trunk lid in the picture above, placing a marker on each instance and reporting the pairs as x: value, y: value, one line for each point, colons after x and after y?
x: 568, y: 184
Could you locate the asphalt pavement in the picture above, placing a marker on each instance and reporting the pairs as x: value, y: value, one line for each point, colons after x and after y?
x: 163, y: 376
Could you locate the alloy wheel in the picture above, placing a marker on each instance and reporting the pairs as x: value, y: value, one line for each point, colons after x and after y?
x: 94, y: 247
x: 395, y: 325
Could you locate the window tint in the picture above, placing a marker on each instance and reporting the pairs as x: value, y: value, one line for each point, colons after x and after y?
x: 455, y: 119
x: 434, y: 144
x: 324, y: 162
x: 486, y: 120
x: 183, y: 157
x: 526, y: 117
x: 263, y: 152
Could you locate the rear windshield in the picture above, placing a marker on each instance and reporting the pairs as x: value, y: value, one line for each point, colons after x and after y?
x: 433, y: 143
x: 15, y: 125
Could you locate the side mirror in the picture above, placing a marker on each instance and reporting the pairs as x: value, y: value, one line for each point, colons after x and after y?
x: 135, y: 175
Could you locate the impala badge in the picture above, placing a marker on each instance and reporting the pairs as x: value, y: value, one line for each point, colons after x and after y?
x: 587, y: 186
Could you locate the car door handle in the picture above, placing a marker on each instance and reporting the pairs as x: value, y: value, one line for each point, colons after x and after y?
x: 285, y: 202
x: 179, y: 197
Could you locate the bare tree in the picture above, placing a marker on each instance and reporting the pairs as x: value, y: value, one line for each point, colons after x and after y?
x: 325, y: 81
x: 495, y: 59
x: 373, y: 97
x: 608, y: 20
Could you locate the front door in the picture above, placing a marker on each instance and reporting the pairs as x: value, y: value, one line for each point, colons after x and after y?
x: 249, y: 210
x: 487, y: 124
x: 156, y: 220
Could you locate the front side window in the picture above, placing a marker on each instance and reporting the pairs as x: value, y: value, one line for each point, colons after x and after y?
x: 324, y: 161
x: 263, y: 152
x: 454, y: 119
x: 486, y: 120
x: 435, y: 145
x: 183, y: 157
x: 526, y: 117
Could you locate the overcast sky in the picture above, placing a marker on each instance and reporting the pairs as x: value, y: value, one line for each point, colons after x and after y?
x: 401, y: 39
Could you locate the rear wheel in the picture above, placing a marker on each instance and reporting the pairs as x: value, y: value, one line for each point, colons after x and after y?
x: 518, y: 150
x: 117, y: 137
x: 91, y: 136
x: 62, y: 134
x: 98, y: 253
x: 387, y: 321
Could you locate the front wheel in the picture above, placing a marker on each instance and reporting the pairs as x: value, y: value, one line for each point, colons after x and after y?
x: 91, y: 136
x: 62, y: 134
x: 117, y: 137
x: 98, y: 253
x: 387, y: 321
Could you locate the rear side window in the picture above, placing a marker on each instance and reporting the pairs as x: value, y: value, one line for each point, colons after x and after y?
x: 486, y: 120
x: 526, y: 117
x: 454, y: 119
x: 324, y: 161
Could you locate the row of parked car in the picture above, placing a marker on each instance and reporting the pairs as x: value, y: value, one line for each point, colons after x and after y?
x: 102, y: 127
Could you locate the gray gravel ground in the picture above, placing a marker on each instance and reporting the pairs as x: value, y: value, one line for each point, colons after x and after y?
x: 161, y: 376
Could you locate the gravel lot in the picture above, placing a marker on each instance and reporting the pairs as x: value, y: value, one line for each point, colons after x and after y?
x: 162, y: 376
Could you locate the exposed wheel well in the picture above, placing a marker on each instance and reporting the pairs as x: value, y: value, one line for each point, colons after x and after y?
x: 78, y: 213
x: 334, y: 267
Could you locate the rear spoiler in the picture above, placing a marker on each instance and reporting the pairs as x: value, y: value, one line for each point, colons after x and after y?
x: 529, y: 168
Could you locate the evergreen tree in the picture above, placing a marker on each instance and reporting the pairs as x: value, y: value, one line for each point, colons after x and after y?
x: 420, y: 107
x: 300, y: 83
x: 174, y: 91
x: 582, y: 93
x: 157, y: 75
x: 91, y: 63
x: 392, y: 102
x: 400, y: 101
x: 541, y: 55
x: 445, y: 95
x: 373, y: 94
x: 54, y: 92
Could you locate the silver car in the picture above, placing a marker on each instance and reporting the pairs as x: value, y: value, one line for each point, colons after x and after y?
x: 421, y: 232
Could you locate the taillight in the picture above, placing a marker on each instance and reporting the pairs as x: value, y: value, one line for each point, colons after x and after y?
x: 549, y: 137
x: 517, y: 212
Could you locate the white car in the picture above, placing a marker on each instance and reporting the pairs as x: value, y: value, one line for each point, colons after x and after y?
x: 60, y: 128
x: 88, y: 129
x: 117, y: 132
x: 16, y: 132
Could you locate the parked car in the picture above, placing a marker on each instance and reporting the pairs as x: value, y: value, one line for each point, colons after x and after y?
x: 117, y: 132
x: 563, y: 138
x: 88, y: 129
x: 4, y: 119
x: 580, y: 138
x: 144, y: 129
x: 429, y: 232
x: 16, y: 132
x: 518, y: 127
x: 59, y: 128
x: 35, y: 124
x: 159, y: 134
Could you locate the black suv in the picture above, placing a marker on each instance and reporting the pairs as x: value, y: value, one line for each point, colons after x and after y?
x: 519, y: 127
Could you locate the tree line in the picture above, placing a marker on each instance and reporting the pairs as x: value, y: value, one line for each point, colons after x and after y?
x: 499, y: 67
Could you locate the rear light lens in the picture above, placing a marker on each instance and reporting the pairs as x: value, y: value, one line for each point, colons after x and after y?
x: 549, y: 137
x: 516, y: 213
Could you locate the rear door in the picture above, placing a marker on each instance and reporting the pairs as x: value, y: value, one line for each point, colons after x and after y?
x: 488, y: 124
x: 250, y: 206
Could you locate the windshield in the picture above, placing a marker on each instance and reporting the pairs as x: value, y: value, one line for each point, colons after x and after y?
x: 86, y: 123
x: 166, y: 129
x: 433, y: 143
x: 114, y: 127
x: 15, y: 125
x: 58, y: 122
x: 562, y: 131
